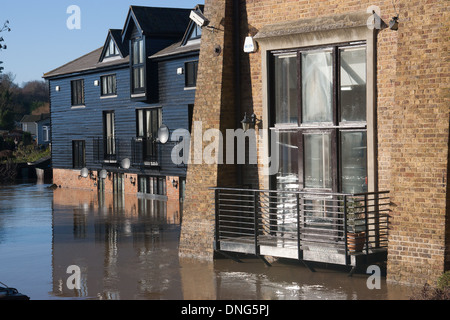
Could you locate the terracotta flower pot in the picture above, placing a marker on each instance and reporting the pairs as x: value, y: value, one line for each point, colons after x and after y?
x: 355, y: 241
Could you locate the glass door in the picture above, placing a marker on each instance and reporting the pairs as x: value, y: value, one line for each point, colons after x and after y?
x: 109, y: 136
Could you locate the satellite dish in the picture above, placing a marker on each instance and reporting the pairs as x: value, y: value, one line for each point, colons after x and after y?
x: 103, y: 174
x: 125, y: 163
x: 163, y: 134
x: 84, y: 173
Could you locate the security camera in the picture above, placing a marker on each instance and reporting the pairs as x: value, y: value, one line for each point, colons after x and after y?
x: 199, y: 18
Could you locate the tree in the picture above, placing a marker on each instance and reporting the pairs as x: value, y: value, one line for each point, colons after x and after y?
x: 5, y: 28
x: 6, y: 101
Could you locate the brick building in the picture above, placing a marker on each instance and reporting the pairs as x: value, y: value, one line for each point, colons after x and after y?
x: 361, y: 106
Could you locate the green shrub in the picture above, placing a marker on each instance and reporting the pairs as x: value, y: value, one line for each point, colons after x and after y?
x: 444, y: 281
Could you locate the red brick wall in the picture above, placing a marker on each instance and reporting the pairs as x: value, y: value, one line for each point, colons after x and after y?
x: 68, y: 178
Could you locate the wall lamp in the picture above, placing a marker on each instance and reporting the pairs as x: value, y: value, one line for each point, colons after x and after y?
x: 249, y: 122
x: 133, y: 180
x: 175, y: 183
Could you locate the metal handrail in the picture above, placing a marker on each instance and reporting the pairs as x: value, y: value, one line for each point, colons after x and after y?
x: 300, y: 218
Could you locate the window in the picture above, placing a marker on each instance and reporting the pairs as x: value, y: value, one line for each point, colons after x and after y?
x: 109, y: 135
x: 79, y: 154
x: 46, y: 133
x: 319, y: 112
x: 138, y: 65
x: 112, y: 50
x: 152, y: 185
x: 191, y: 74
x: 77, y: 87
x: 148, y: 121
x: 196, y: 32
x: 109, y: 85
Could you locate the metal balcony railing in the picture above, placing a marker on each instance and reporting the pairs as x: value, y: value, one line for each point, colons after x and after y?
x: 348, y: 224
x: 145, y: 151
x: 109, y: 149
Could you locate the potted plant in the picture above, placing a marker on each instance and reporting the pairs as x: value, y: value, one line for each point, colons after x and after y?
x: 356, y: 235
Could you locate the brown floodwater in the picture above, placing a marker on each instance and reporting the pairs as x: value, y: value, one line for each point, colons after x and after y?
x: 126, y: 248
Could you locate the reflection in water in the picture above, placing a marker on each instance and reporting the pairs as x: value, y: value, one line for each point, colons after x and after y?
x: 127, y: 248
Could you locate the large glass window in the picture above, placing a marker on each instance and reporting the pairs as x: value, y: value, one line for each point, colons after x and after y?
x: 319, y: 112
x: 317, y: 86
x: 152, y: 185
x: 286, y: 88
x: 353, y: 84
x: 148, y: 122
x: 138, y: 65
x: 353, y: 161
x: 317, y: 161
x: 109, y: 134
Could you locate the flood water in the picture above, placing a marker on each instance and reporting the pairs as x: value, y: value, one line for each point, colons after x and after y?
x: 127, y: 249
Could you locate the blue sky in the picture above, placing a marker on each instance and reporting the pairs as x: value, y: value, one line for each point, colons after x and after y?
x: 40, y: 40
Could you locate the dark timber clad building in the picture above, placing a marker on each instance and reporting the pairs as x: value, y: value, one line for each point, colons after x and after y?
x: 108, y: 105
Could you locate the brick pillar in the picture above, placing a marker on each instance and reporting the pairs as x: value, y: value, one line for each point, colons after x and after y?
x: 419, y: 236
x: 214, y: 107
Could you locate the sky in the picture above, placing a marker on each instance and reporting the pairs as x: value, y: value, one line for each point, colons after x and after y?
x: 40, y: 39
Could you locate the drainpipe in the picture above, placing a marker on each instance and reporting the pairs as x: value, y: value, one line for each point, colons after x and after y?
x: 237, y: 77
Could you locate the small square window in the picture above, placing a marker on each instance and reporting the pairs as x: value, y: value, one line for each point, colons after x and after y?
x: 109, y: 85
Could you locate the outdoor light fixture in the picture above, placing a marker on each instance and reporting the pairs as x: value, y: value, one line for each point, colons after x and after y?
x: 393, y: 24
x: 96, y: 83
x: 175, y: 183
x: 249, y: 122
x: 57, y: 88
x: 133, y: 180
x: 250, y: 45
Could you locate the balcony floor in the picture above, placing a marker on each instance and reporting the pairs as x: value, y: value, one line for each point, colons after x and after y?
x: 312, y: 252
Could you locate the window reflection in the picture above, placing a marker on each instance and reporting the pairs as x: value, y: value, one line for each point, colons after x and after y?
x: 286, y: 89
x: 353, y: 84
x: 317, y: 86
x: 354, y: 161
x: 318, y: 161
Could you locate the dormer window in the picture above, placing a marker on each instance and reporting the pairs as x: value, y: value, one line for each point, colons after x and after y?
x: 138, y: 66
x: 112, y: 50
x: 196, y: 32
